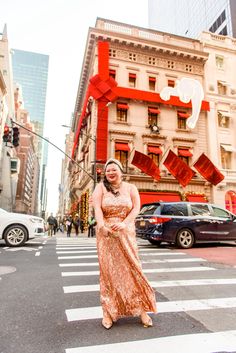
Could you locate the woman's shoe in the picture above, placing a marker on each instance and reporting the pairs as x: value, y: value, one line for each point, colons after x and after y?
x: 146, y: 320
x: 107, y: 323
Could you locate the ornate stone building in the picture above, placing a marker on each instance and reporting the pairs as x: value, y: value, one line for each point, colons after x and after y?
x: 118, y: 110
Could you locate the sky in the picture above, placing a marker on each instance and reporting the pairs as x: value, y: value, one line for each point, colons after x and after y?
x: 59, y: 29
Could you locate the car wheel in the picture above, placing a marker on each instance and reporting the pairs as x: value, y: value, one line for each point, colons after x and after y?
x: 185, y: 238
x: 15, y: 235
x: 154, y: 242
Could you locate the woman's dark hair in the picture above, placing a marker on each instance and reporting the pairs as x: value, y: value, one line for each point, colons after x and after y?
x: 108, y: 185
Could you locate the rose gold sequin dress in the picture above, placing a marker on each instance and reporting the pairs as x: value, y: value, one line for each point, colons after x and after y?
x: 124, y: 289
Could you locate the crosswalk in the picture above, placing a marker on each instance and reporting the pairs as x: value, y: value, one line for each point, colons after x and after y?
x: 187, y: 287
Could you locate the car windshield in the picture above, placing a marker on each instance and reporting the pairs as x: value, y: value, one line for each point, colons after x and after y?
x: 150, y: 209
x: 3, y: 211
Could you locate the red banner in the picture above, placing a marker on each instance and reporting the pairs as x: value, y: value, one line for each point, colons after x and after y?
x: 178, y: 168
x: 146, y: 164
x: 207, y: 169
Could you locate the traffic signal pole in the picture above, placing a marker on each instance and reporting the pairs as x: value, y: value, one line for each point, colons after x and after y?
x: 55, y: 146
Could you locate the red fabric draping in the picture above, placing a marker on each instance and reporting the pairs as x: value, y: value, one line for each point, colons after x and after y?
x: 148, y: 197
x: 179, y: 169
x: 195, y: 198
x: 208, y: 170
x: 146, y: 164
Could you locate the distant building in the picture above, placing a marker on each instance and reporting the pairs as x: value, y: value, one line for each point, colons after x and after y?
x: 190, y: 17
x: 30, y: 70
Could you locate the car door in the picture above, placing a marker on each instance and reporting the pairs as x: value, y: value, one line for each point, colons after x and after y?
x: 226, y: 223
x: 204, y: 225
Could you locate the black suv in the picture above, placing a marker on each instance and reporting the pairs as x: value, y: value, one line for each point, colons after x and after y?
x: 185, y: 223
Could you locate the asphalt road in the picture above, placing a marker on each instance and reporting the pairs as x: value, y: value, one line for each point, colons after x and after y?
x: 49, y: 305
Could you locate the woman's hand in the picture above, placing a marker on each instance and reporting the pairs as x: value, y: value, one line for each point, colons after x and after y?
x: 118, y: 226
x: 104, y: 230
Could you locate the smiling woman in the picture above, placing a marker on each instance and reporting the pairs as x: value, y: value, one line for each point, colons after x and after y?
x: 124, y: 290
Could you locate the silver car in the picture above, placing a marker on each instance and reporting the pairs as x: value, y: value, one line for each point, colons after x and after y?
x: 17, y: 228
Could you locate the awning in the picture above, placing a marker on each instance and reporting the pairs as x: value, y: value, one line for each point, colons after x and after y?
x: 148, y: 197
x: 122, y: 106
x: 183, y: 115
x: 184, y: 153
x: 154, y: 111
x: 224, y: 83
x: 112, y: 72
x: 226, y: 114
x: 119, y: 146
x: 152, y: 79
x: 154, y: 149
x: 228, y: 148
x: 195, y: 198
x: 132, y: 75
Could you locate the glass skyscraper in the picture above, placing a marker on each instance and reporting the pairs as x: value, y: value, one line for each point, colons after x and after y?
x: 190, y: 17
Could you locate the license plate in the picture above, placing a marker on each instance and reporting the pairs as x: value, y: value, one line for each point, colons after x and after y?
x: 142, y: 223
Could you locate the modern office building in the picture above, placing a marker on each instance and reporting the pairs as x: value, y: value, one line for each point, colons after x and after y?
x: 30, y: 70
x: 190, y: 17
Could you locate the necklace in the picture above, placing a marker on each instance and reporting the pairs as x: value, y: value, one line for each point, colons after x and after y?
x: 117, y: 187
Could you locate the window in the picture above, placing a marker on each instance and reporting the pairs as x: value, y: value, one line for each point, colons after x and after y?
x: 122, y: 153
x: 221, y: 87
x: 200, y: 210
x: 121, y: 112
x: 219, y: 212
x: 154, y: 153
x: 171, y: 83
x: 170, y: 64
x: 225, y: 158
x: 188, y: 68
x: 218, y: 22
x: 132, y: 56
x: 152, y: 60
x: 150, y: 209
x: 153, y: 116
x: 132, y: 80
x: 181, y: 122
x: 219, y: 62
x: 223, y: 121
x: 184, y: 154
x: 112, y: 73
x: 174, y: 210
x: 224, y: 31
x: 152, y: 83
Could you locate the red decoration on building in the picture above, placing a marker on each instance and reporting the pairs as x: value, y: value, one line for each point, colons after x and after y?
x: 179, y: 169
x: 146, y: 164
x: 208, y: 170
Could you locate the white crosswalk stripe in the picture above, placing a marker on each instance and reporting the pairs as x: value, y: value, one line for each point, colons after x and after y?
x: 163, y: 262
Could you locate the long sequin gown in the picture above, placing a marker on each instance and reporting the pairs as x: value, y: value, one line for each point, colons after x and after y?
x: 124, y: 289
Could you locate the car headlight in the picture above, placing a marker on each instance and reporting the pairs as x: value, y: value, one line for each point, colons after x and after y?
x: 35, y: 220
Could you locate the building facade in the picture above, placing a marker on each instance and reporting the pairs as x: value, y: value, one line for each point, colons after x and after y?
x: 112, y: 119
x: 30, y: 70
x: 190, y: 17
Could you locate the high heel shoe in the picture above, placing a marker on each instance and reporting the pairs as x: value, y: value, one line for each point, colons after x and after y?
x: 107, y: 323
x: 147, y: 321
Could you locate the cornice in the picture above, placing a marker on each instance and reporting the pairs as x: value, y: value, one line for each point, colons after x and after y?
x: 183, y: 139
x: 154, y: 136
x: 120, y: 132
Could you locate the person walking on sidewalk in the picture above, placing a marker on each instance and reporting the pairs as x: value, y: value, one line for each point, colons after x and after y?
x: 51, y: 222
x: 69, y: 223
x: 76, y: 223
x: 91, y: 224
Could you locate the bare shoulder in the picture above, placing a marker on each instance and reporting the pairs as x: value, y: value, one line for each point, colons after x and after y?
x: 131, y: 187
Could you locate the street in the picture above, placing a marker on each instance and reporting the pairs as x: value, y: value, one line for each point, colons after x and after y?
x: 50, y: 300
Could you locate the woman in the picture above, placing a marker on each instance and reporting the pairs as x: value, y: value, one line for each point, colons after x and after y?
x: 124, y: 290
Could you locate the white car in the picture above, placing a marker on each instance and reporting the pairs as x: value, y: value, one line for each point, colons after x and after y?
x: 17, y: 228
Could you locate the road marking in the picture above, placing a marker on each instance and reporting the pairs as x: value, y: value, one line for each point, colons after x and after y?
x: 200, y: 342
x: 76, y: 252
x: 149, y: 270
x: 44, y: 242
x: 77, y: 257
x: 6, y: 247
x: 159, y: 284
x: 40, y: 247
x: 37, y: 253
x: 81, y: 264
x: 22, y: 248
x: 76, y: 247
x: 162, y: 307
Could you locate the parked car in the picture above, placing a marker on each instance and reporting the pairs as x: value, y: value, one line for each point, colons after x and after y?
x: 185, y: 223
x: 17, y: 228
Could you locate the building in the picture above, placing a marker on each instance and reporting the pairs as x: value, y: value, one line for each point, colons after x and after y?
x: 118, y: 105
x: 30, y: 70
x: 8, y: 175
x: 191, y: 17
x: 27, y: 163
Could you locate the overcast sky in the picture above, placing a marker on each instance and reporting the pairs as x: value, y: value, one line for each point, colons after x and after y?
x: 59, y: 28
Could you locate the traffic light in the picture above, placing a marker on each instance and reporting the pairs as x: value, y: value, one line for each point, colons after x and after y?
x: 6, y: 134
x: 98, y: 174
x: 15, y: 140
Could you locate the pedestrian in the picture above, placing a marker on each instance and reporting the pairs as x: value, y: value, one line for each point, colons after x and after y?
x: 91, y: 226
x: 50, y: 222
x: 61, y: 226
x: 124, y: 290
x: 55, y: 227
x: 81, y: 225
x: 69, y: 223
x: 76, y: 223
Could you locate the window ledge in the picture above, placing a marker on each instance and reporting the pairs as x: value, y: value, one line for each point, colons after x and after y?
x: 121, y: 123
x: 182, y: 130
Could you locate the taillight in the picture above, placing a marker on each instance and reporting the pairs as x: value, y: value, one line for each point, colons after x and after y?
x: 159, y: 220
